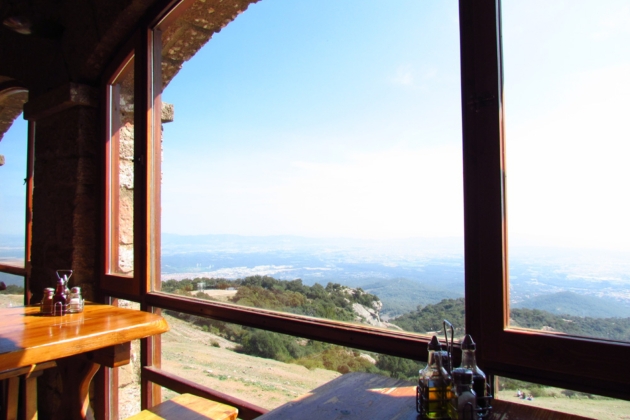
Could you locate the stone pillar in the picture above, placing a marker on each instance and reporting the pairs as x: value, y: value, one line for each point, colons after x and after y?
x: 66, y: 202
x: 66, y: 195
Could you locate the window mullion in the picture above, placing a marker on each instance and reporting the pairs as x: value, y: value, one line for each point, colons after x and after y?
x: 484, y: 212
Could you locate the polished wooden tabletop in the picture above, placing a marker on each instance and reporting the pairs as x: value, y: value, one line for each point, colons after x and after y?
x: 359, y: 396
x: 28, y: 338
x: 353, y: 396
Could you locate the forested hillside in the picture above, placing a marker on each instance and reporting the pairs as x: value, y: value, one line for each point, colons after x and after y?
x: 333, y: 301
x: 336, y: 302
x: 607, y: 328
x: 429, y: 318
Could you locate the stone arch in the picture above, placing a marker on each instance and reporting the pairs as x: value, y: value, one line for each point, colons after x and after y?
x: 12, y: 100
x: 194, y: 24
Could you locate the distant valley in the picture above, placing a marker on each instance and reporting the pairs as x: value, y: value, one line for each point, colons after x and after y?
x: 408, y: 273
x: 404, y: 274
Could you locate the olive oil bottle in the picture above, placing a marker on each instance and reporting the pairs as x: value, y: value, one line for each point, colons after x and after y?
x: 435, y: 386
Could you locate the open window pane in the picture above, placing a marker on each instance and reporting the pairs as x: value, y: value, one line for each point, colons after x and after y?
x: 121, y: 172
x: 13, y: 159
x: 566, y: 90
x: 314, y: 145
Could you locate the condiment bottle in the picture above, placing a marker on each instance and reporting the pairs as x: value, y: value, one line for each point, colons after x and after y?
x: 435, y: 385
x: 46, y: 307
x: 60, y: 299
x: 446, y: 359
x: 479, y: 378
x: 75, y: 301
x: 465, y: 400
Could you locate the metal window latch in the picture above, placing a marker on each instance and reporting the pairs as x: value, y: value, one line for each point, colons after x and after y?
x: 480, y: 101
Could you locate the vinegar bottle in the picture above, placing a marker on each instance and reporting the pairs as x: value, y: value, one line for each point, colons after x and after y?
x: 479, y: 378
x: 465, y: 400
x: 60, y: 299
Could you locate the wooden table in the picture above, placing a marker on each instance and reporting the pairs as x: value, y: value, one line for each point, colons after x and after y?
x: 353, y: 396
x: 79, y: 343
x: 360, y: 396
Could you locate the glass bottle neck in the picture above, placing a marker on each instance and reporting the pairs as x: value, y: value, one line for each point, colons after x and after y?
x: 468, y: 359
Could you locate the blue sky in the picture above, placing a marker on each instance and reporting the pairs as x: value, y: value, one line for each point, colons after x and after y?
x: 342, y: 118
x: 12, y: 174
x: 320, y: 119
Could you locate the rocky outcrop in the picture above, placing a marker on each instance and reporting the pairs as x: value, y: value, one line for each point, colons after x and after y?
x: 371, y: 315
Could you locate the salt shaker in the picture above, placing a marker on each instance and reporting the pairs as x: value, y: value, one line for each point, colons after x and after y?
x: 75, y: 301
x: 46, y: 307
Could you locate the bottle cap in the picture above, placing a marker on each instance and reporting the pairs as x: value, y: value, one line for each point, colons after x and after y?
x: 468, y: 343
x: 76, y: 290
x: 435, y: 345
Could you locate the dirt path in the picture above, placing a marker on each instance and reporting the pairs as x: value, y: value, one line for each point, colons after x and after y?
x: 7, y: 301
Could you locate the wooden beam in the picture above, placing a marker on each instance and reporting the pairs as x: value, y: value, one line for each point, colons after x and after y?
x: 246, y: 410
x: 395, y: 343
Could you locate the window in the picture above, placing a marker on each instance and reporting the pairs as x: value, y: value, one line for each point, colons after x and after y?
x: 291, y: 182
x: 569, y: 234
x: 121, y: 172
x: 564, y: 361
x: 15, y: 202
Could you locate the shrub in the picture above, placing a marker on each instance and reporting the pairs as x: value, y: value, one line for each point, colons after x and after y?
x: 12, y: 289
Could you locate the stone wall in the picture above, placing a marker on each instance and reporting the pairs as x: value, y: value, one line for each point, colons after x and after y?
x: 126, y: 182
x: 66, y: 197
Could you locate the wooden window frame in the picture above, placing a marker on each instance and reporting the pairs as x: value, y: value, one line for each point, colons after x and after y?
x: 582, y: 364
x: 113, y: 284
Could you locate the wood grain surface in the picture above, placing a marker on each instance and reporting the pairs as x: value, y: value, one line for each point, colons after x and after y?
x: 354, y: 396
x: 360, y: 396
x: 27, y: 338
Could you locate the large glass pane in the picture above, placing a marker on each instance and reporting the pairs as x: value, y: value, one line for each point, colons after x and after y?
x: 566, y: 90
x: 13, y: 158
x: 313, y: 164
x: 262, y: 367
x: 121, y: 172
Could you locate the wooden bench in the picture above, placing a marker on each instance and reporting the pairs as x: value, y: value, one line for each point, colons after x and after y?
x: 188, y: 407
x: 26, y: 379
